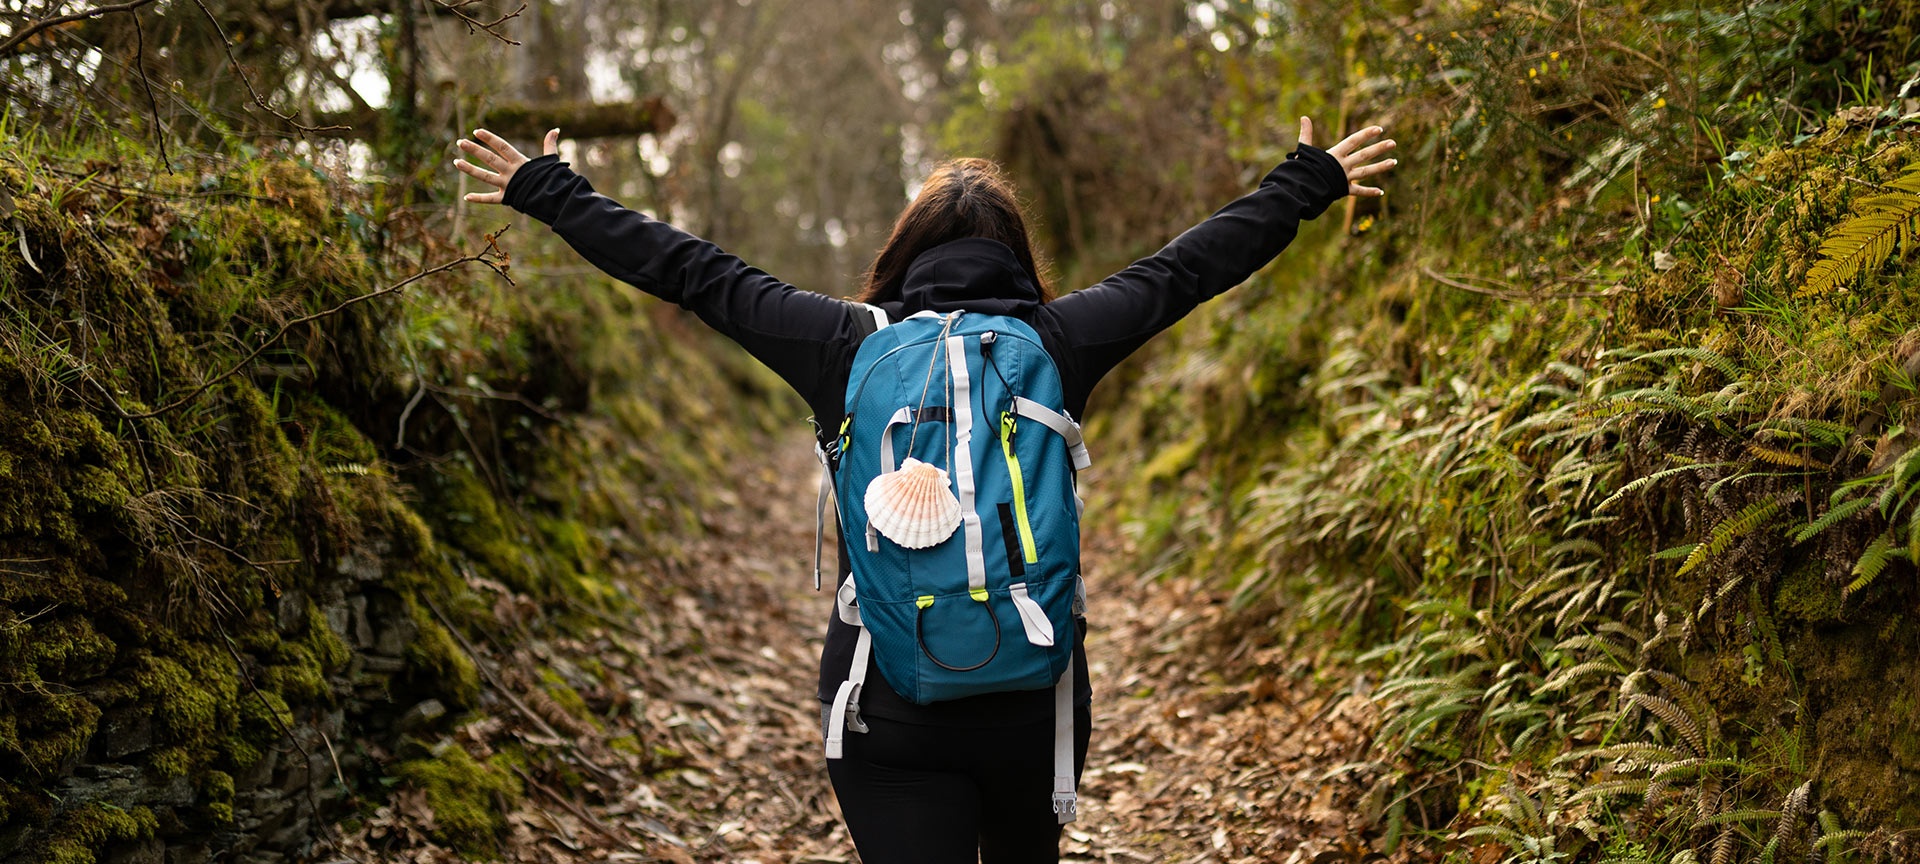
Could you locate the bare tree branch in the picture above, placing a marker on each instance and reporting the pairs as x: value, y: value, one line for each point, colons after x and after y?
x: 36, y: 27
x: 140, y: 65
x: 457, y: 7
x: 245, y: 79
x: 492, y: 256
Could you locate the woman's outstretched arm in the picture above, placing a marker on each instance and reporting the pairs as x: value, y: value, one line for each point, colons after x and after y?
x: 790, y: 330
x: 1099, y: 326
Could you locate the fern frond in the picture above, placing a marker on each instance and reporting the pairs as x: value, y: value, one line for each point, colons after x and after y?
x: 1791, y: 811
x: 1818, y: 431
x: 1676, y: 718
x: 1740, y: 816
x: 1656, y: 477
x: 1782, y: 458
x: 1608, y: 788
x: 1711, y: 359
x: 1879, y: 553
x: 1830, y: 518
x: 1723, y: 847
x: 1833, y: 840
x: 1748, y: 520
x: 1635, y: 753
x: 1864, y: 242
x: 1568, y: 676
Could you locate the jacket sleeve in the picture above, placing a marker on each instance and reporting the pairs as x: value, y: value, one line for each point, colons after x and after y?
x: 1099, y: 326
x: 795, y: 333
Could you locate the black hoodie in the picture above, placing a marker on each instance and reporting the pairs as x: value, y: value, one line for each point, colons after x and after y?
x: 809, y: 339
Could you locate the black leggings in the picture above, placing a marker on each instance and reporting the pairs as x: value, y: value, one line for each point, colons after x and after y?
x: 953, y: 795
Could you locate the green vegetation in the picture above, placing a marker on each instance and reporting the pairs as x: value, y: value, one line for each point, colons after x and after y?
x: 175, y: 538
x: 1590, y: 447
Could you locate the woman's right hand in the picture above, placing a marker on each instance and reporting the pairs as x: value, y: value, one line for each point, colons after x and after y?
x: 502, y: 157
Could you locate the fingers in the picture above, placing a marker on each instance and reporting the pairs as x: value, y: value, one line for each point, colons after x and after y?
x: 481, y: 174
x: 1306, y: 131
x: 1365, y: 171
x: 482, y: 154
x: 1368, y: 154
x: 551, y: 145
x: 1355, y: 141
x: 1359, y: 191
x: 486, y: 197
x: 508, y: 153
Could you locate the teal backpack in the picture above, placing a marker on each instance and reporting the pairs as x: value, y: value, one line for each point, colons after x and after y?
x: 954, y: 472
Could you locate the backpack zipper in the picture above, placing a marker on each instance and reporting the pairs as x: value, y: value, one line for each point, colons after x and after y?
x: 1007, y: 424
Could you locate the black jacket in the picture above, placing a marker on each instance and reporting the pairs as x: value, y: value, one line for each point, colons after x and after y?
x: 809, y: 339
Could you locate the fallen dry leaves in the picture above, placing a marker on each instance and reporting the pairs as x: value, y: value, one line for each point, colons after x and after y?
x: 694, y: 734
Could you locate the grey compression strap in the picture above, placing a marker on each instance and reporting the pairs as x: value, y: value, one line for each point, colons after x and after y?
x: 1061, y: 424
x: 1066, y: 799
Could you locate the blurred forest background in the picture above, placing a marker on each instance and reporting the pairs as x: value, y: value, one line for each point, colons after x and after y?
x: 1585, y: 457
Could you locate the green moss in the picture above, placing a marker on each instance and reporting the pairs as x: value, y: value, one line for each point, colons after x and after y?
x: 216, y: 796
x: 438, y: 663
x: 567, y: 697
x: 466, y: 796
x: 88, y: 829
x: 469, y: 517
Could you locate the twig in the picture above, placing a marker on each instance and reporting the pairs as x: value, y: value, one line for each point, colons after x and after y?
x: 1512, y: 294
x: 244, y: 79
x: 488, y: 256
x: 306, y: 762
x: 400, y: 436
x: 140, y: 65
x: 30, y: 30
x: 583, y: 815
x: 474, y: 24
x: 511, y: 697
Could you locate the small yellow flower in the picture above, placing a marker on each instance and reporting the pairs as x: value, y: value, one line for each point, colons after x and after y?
x: 1554, y: 56
x: 1532, y: 72
x: 1453, y: 34
x: 1654, y: 200
x: 1419, y: 37
x: 1660, y: 102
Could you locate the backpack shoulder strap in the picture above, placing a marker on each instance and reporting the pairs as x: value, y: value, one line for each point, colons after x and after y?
x: 874, y: 321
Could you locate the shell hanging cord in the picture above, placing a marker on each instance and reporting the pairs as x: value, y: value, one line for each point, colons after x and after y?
x: 914, y: 434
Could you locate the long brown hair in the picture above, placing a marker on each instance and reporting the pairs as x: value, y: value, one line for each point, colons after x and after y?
x: 963, y: 198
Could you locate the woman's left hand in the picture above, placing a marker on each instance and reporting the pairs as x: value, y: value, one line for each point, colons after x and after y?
x: 1356, y: 156
x: 502, y: 157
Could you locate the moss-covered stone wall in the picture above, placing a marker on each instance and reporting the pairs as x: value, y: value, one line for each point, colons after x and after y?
x: 224, y: 611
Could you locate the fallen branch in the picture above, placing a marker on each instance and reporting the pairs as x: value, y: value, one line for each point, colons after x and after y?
x: 491, y: 256
x: 1511, y: 293
x: 36, y: 27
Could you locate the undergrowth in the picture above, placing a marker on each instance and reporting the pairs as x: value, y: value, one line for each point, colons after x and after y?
x: 1592, y: 448
x: 182, y: 549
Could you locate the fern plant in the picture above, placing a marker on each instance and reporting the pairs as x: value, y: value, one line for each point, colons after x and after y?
x: 1864, y: 242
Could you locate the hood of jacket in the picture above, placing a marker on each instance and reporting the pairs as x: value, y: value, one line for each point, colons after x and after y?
x: 974, y: 275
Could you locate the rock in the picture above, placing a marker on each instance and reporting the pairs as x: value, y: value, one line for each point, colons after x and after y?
x: 420, y: 716
x: 360, y: 630
x: 123, y: 732
x: 150, y: 851
x: 290, y: 613
x: 188, y: 854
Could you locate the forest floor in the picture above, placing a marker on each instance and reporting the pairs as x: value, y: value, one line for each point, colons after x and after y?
x: 1185, y: 766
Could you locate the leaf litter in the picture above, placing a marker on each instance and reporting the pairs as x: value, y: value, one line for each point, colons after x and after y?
x: 693, y: 732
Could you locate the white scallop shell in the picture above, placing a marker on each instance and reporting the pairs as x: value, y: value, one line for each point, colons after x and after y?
x: 913, y: 506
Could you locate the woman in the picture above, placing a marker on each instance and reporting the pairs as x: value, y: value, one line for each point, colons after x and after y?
x: 951, y: 780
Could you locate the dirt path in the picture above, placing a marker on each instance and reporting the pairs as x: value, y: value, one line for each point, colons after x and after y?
x: 705, y: 744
